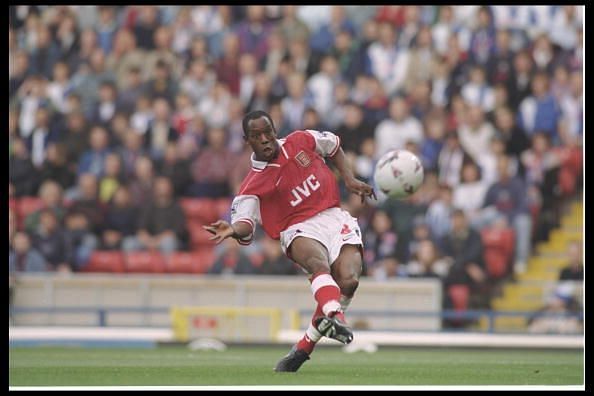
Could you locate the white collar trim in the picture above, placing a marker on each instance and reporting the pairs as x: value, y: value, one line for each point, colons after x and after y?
x: 258, y: 166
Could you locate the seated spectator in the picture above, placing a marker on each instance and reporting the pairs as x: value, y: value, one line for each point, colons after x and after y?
x: 439, y: 212
x: 560, y: 314
x: 22, y: 257
x: 50, y: 241
x: 380, y: 242
x: 421, y: 232
x: 80, y: 240
x: 175, y: 168
x: 212, y: 167
x: 507, y: 197
x: 574, y: 270
x: 141, y: 185
x: 56, y: 166
x: 120, y: 219
x: 21, y: 170
x: 50, y: 193
x: 161, y: 225
x: 232, y: 259
x: 426, y: 262
x: 160, y: 130
x: 469, y: 195
x: 113, y: 176
x: 86, y: 201
x: 275, y: 262
x: 93, y: 160
x: 394, y: 132
x: 463, y: 247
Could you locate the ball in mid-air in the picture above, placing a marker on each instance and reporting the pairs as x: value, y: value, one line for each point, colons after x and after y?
x: 398, y: 173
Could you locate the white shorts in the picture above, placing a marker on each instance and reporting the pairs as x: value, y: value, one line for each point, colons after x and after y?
x: 333, y: 228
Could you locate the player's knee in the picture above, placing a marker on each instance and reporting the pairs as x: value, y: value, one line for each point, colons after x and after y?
x: 315, y: 264
x: 348, y: 285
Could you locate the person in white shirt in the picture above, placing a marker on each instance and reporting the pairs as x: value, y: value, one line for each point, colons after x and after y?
x: 394, y: 132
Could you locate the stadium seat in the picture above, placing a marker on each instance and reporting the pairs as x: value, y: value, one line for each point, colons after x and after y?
x: 223, y: 207
x: 498, y: 250
x: 105, y: 261
x: 201, y: 209
x: 183, y: 262
x: 26, y: 206
x: 459, y: 295
x: 144, y: 262
x: 205, y: 259
x: 199, y: 237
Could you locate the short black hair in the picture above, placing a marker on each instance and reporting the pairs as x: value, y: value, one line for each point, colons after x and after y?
x: 253, y: 115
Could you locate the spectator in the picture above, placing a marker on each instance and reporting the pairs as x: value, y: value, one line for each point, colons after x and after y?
x: 126, y: 60
x: 84, y: 199
x: 131, y: 150
x: 353, y: 129
x: 450, y: 160
x: 274, y: 261
x: 291, y: 25
x: 464, y: 249
x: 56, y: 168
x: 514, y: 138
x: 421, y: 232
x: 482, y: 41
x: 231, y: 259
x: 20, y: 170
x: 469, y: 194
x: 508, y: 197
x: 227, y: 66
x: 380, y: 244
x: 80, y: 240
x: 322, y: 38
x: 50, y: 241
x: 574, y: 270
x: 478, y: 92
x: 141, y: 185
x: 198, y: 80
x: 41, y: 136
x: 50, y: 193
x: 176, y: 168
x: 112, y: 177
x: 388, y: 63
x: 433, y: 142
x: 401, y: 127
x: 296, y: 102
x: 75, y: 138
x: 476, y: 133
x: 161, y: 225
x: 160, y: 130
x: 440, y: 212
x: 93, y: 160
x: 105, y: 108
x: 540, y: 111
x: 120, y: 219
x: 422, y: 59
x: 426, y: 262
x: 322, y: 85
x: 22, y: 257
x: 560, y: 314
x: 161, y: 83
x: 212, y: 167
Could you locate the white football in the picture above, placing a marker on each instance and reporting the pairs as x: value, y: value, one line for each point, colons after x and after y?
x: 398, y: 173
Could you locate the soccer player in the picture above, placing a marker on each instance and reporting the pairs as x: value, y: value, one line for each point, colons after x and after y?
x: 293, y: 194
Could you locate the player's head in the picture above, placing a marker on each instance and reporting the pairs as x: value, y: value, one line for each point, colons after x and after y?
x: 260, y: 134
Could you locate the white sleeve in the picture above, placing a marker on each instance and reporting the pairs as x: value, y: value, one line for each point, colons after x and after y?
x: 246, y: 209
x: 327, y: 143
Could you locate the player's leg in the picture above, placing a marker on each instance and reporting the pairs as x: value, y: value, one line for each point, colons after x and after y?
x: 346, y: 270
x: 312, y: 256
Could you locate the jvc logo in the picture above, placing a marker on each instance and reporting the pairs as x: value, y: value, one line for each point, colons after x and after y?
x: 303, y: 191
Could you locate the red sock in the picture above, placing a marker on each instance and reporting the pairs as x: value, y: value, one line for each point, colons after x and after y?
x: 326, y: 292
x: 306, y: 344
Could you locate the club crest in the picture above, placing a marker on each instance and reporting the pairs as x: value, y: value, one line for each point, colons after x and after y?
x: 303, y: 159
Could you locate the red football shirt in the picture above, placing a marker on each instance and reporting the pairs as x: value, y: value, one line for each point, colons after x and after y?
x: 291, y: 188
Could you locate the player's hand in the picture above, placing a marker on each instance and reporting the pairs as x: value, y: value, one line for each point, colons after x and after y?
x: 358, y: 187
x: 220, y: 230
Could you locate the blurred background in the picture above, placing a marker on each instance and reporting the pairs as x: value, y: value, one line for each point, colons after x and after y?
x: 125, y: 138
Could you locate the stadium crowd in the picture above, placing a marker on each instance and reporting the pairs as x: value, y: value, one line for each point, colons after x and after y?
x: 125, y: 128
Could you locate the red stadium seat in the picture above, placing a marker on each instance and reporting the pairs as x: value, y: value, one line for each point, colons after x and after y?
x: 205, y: 259
x: 28, y: 205
x: 498, y: 250
x: 201, y: 209
x: 459, y: 295
x: 144, y: 262
x: 187, y: 262
x: 199, y: 237
x: 223, y: 207
x: 105, y: 261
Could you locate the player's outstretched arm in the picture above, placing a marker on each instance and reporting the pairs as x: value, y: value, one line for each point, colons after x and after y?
x: 222, y: 230
x: 352, y: 184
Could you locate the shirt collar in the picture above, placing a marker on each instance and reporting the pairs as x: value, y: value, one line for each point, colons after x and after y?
x: 260, y: 165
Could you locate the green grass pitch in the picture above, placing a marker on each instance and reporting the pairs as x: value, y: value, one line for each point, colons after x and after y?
x: 329, y: 365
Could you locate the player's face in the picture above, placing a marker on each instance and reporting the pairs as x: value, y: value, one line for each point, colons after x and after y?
x: 262, y: 138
